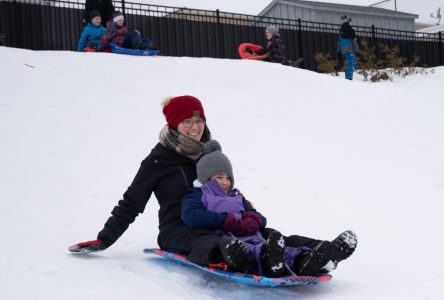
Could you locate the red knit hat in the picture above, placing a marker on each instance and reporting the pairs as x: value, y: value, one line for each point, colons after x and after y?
x: 180, y: 108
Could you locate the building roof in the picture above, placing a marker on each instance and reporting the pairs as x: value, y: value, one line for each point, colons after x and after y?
x: 432, y: 29
x: 343, y: 8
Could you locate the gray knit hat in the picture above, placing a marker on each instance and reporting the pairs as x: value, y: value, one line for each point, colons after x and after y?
x: 271, y: 29
x: 212, y: 162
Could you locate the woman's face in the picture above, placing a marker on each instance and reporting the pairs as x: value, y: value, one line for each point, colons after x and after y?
x: 223, y: 180
x: 192, y: 128
x: 268, y: 35
x: 120, y: 23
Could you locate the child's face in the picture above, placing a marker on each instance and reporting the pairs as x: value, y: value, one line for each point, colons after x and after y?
x: 268, y: 35
x: 120, y: 23
x: 223, y: 180
x: 97, y: 20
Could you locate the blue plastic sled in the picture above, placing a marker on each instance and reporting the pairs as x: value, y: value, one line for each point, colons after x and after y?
x: 250, y: 279
x: 120, y: 50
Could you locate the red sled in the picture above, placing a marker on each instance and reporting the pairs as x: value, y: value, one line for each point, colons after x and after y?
x: 89, y: 49
x: 221, y: 270
x: 247, y: 50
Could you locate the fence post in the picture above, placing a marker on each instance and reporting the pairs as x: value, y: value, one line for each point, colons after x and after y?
x: 440, y: 49
x: 17, y: 36
x: 374, y: 43
x: 220, y: 34
x: 300, y: 49
x: 123, y: 7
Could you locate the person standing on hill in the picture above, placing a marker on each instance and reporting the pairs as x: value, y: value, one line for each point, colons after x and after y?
x: 105, y: 7
x: 348, y: 46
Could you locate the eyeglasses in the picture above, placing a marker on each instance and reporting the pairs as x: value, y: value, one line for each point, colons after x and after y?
x: 190, y: 122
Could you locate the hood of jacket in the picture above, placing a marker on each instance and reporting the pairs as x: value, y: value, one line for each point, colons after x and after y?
x: 215, y: 199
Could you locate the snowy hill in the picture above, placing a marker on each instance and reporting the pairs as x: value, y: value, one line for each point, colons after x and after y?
x: 316, y: 154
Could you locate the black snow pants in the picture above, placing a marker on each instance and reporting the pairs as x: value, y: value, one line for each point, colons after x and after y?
x: 200, y: 246
x: 294, y: 240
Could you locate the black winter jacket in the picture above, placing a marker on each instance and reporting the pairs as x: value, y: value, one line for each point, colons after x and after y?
x: 105, y: 7
x: 346, y: 31
x: 167, y: 174
x: 275, y: 49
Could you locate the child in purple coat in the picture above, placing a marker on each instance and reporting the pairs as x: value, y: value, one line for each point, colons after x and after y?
x: 213, y: 203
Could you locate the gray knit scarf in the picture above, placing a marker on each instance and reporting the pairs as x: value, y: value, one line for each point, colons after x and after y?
x: 173, y: 140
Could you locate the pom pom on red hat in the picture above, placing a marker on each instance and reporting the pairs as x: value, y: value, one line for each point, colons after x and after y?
x: 180, y: 108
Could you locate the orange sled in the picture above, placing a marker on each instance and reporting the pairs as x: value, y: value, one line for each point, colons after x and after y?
x: 245, y: 48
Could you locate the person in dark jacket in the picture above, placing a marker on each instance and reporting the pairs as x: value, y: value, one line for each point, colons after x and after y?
x: 213, y: 203
x: 105, y: 7
x: 167, y: 172
x: 348, y: 46
x: 273, y: 51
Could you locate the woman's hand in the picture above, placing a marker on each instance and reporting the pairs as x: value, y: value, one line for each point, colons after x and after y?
x: 87, y: 247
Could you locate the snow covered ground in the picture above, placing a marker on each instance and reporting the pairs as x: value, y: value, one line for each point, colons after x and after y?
x: 315, y: 153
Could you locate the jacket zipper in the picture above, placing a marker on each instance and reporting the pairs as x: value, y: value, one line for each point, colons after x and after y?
x: 184, y: 176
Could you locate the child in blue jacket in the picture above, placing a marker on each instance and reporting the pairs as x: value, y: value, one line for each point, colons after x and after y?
x: 213, y: 203
x: 92, y: 33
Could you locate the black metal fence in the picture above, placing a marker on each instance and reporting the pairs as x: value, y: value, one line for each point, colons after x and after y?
x: 57, y: 25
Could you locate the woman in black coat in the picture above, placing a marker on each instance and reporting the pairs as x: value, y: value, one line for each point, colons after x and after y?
x: 167, y: 172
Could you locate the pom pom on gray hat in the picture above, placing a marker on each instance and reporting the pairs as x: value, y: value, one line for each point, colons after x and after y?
x: 211, y: 146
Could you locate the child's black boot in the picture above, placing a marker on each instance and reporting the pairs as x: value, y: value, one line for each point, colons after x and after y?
x: 273, y: 255
x: 237, y: 255
x: 344, y: 246
x: 310, y: 263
